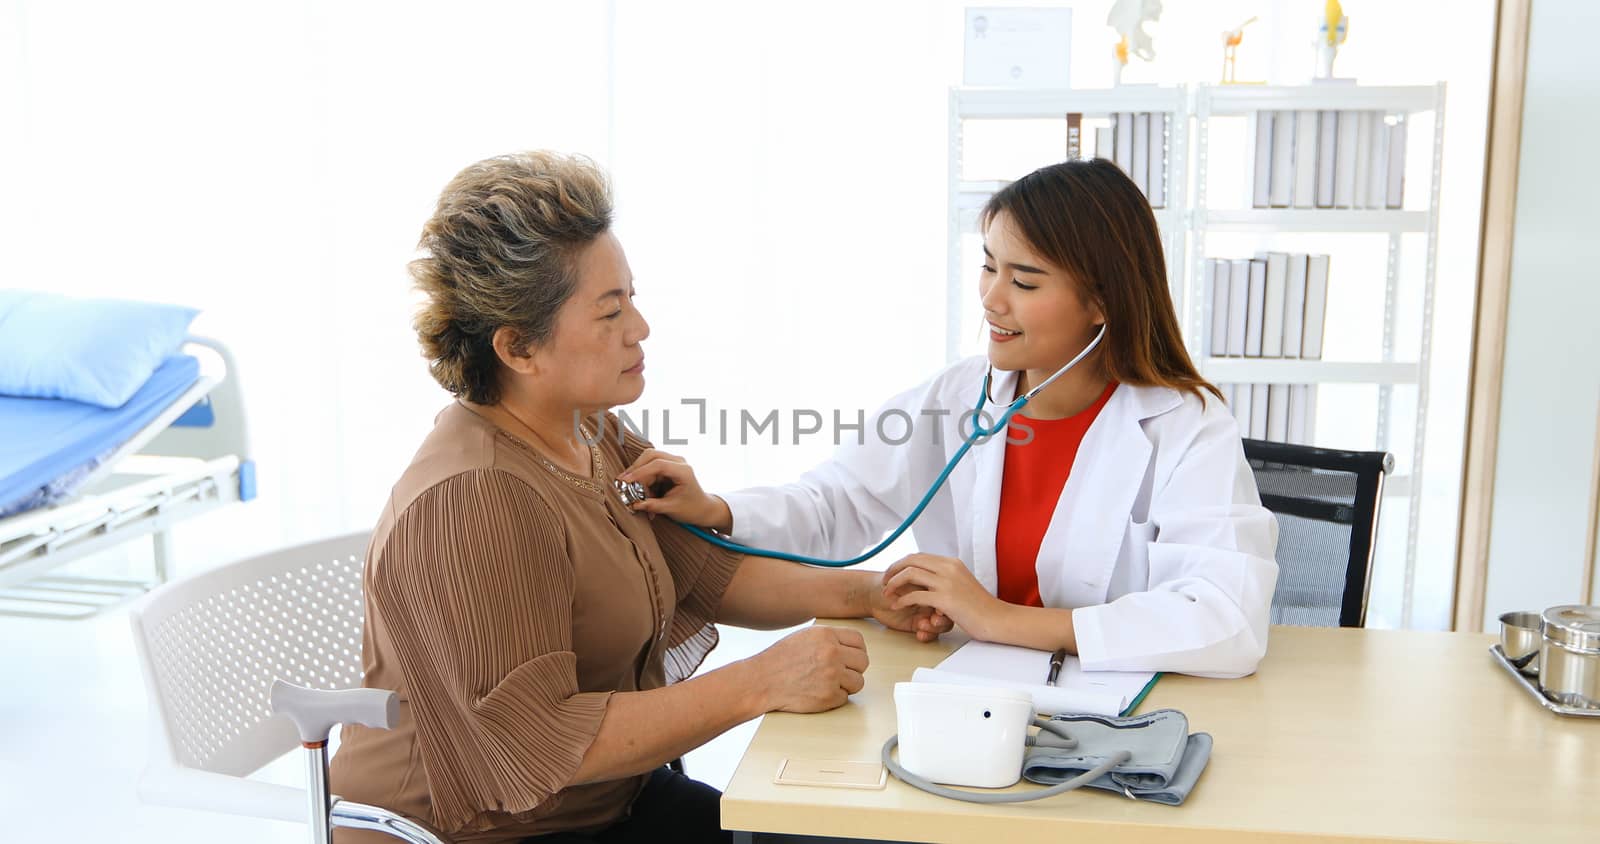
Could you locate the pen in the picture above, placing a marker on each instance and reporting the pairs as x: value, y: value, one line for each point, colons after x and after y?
x: 1056, y: 659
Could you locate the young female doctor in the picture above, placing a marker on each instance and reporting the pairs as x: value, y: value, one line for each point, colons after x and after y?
x: 1116, y: 518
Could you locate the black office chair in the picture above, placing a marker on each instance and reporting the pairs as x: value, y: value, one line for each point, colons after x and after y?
x: 1327, y: 505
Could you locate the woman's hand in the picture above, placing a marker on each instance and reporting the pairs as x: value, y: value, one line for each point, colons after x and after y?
x: 813, y: 670
x: 925, y: 622
x: 945, y: 586
x: 675, y: 492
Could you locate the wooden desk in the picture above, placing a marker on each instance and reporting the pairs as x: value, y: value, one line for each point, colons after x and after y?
x: 1342, y: 734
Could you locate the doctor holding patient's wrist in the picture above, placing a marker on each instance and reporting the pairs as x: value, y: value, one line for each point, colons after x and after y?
x: 1113, y: 516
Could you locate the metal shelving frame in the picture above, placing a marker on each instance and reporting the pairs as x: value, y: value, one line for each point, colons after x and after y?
x: 1185, y: 225
x: 1405, y: 101
x: 966, y: 198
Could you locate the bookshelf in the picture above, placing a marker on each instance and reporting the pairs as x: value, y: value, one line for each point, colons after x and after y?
x: 1275, y: 371
x: 1193, y: 214
x: 1270, y: 220
x: 967, y: 197
x: 1392, y: 369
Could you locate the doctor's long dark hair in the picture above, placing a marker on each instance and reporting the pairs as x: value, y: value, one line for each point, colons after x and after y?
x: 1088, y: 218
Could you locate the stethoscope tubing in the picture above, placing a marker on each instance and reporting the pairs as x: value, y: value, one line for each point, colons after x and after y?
x: 979, y: 432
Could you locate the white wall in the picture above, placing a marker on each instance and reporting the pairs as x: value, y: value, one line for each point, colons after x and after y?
x: 1551, y: 393
x: 780, y: 185
x: 779, y: 171
x: 272, y: 163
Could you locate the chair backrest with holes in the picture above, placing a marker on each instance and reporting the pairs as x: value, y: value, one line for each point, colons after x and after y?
x: 211, y: 645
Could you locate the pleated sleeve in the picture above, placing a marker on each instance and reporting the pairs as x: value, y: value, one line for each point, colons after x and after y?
x: 476, y: 587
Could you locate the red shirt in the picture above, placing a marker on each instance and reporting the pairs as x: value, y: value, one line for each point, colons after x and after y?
x: 1035, y: 473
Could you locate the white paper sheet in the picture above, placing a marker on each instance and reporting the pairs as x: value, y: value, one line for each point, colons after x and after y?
x: 1025, y: 669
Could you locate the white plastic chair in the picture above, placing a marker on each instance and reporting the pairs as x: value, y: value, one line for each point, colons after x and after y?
x: 212, y: 647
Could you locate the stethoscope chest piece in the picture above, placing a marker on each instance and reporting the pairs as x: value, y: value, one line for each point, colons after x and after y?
x: 630, y: 493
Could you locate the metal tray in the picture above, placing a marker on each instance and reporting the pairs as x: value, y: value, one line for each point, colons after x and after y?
x: 1532, y: 688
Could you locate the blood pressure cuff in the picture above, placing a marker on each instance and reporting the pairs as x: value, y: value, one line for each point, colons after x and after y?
x: 1166, y: 764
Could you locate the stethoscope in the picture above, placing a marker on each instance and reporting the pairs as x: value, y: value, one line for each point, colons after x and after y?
x: 632, y: 492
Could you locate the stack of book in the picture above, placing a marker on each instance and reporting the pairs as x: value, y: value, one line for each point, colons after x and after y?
x: 1329, y: 159
x: 1283, y: 413
x: 1271, y: 306
x: 1136, y: 142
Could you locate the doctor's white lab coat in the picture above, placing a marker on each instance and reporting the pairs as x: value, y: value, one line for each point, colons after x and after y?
x: 1159, y: 543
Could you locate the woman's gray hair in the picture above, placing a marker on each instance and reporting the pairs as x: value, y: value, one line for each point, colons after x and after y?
x: 501, y: 251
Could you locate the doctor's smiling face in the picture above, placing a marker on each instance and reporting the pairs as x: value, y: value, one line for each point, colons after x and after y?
x: 1068, y: 248
x: 1038, y: 315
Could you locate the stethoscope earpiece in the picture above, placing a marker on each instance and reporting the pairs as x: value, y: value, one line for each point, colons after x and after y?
x: 1017, y: 405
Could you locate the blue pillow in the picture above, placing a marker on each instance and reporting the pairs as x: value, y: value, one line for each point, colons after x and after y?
x: 97, y: 351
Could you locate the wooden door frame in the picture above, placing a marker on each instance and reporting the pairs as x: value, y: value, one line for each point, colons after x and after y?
x: 1502, y: 155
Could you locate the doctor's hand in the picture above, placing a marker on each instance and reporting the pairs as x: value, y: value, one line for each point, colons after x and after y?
x: 926, y: 623
x: 944, y: 585
x: 674, y: 491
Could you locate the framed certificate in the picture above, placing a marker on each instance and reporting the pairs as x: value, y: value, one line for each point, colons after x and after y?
x: 1017, y: 47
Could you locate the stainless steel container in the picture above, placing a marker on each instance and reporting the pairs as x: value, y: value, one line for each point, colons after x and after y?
x: 1569, y: 657
x: 1521, y: 636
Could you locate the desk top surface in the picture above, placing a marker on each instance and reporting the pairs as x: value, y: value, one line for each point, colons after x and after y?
x: 1341, y: 734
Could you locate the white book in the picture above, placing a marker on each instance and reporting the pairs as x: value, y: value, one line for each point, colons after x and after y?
x: 1298, y: 425
x: 1261, y: 191
x: 1305, y: 159
x: 1378, y: 176
x: 1156, y: 172
x: 1395, y: 196
x: 1316, y: 306
x: 1238, y: 305
x: 1344, y: 162
x: 1273, y: 307
x: 1311, y: 414
x: 1258, y: 412
x: 1363, y: 159
x: 1327, y: 140
x: 1255, y: 318
x: 1141, y: 152
x: 1242, y: 397
x: 1281, y: 189
x: 1217, y: 289
x: 1124, y: 138
x: 980, y: 663
x: 1278, y: 413
x: 1294, y: 307
x: 1104, y: 146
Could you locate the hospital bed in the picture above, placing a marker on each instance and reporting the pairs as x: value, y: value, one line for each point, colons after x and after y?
x: 76, y: 479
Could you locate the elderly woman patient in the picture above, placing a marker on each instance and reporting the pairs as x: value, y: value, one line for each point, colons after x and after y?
x: 539, y: 633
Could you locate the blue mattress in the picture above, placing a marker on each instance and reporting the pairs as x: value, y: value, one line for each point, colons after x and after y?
x: 49, y: 446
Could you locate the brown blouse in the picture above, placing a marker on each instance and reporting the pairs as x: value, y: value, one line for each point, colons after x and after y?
x: 507, y: 598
